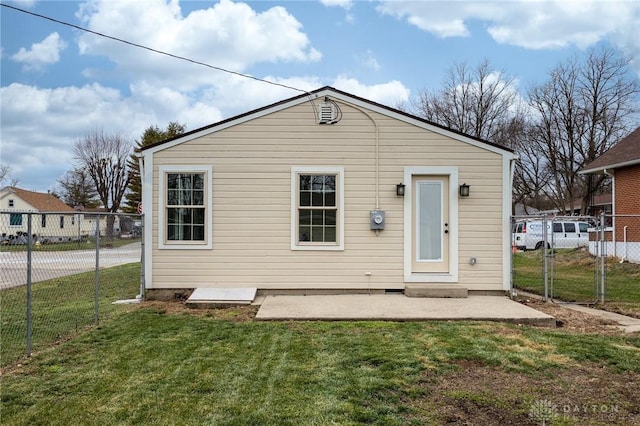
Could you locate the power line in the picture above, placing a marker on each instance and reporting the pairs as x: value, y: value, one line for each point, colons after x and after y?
x: 182, y: 58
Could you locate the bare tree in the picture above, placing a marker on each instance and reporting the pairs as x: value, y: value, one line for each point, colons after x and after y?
x: 475, y: 101
x: 5, y: 176
x: 582, y: 110
x: 104, y: 157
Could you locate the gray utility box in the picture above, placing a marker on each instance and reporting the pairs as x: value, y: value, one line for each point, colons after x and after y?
x: 376, y: 220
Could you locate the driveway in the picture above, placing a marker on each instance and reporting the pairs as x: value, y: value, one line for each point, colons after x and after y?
x: 46, y: 265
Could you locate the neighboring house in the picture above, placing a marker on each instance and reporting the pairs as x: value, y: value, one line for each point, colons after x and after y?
x: 54, y: 221
x: 55, y: 216
x: 622, y: 163
x: 306, y: 195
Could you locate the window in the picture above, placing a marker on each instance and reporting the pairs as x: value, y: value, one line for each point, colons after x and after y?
x: 10, y: 203
x: 317, y: 216
x: 185, y: 212
x: 185, y: 206
x: 557, y: 227
x: 43, y: 221
x: 569, y: 227
x: 584, y: 227
x: 15, y: 219
x: 61, y: 222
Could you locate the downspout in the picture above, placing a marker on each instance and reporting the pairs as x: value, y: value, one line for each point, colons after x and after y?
x: 613, y: 210
x: 624, y: 258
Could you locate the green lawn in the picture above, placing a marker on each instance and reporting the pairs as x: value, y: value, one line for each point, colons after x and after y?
x: 574, y: 277
x: 150, y: 366
x: 86, y: 244
x: 61, y: 307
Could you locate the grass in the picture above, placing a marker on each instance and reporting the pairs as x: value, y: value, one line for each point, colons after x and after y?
x: 87, y: 244
x: 61, y: 307
x: 574, y: 277
x: 149, y: 366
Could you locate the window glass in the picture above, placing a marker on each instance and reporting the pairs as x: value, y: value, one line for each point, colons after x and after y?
x: 557, y: 227
x: 43, y: 221
x: 317, y: 208
x: 569, y: 227
x: 15, y: 219
x: 185, y: 207
x: 584, y: 227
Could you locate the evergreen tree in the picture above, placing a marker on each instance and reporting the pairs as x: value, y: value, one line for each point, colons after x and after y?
x: 151, y: 135
x: 77, y: 189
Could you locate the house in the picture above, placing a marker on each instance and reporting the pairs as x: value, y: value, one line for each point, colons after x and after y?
x: 54, y: 215
x: 54, y: 220
x: 326, y: 192
x: 622, y: 163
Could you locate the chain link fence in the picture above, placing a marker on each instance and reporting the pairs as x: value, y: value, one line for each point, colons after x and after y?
x: 578, y: 259
x: 62, y: 272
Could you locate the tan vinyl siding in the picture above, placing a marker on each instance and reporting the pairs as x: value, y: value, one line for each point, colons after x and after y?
x: 252, y: 165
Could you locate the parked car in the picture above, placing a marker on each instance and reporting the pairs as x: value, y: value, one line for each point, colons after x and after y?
x: 529, y: 235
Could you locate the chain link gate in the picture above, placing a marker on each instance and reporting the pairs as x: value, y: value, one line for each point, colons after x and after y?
x: 577, y: 259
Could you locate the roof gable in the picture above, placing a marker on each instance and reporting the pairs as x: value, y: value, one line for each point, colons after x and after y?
x: 624, y: 153
x: 39, y: 201
x: 338, y: 95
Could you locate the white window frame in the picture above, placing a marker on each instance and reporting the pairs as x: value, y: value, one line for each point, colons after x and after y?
x: 304, y: 170
x: 207, y: 244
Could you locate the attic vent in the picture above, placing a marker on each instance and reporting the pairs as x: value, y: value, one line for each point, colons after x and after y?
x: 328, y: 113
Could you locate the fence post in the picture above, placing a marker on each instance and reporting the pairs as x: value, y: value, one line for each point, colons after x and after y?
x: 545, y: 271
x: 602, y: 254
x: 141, y: 296
x: 96, y: 296
x: 29, y: 248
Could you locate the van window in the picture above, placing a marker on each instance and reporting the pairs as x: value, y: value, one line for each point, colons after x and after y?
x: 569, y: 227
x: 584, y: 227
x: 557, y: 227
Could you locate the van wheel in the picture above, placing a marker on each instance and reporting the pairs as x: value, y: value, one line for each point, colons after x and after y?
x: 539, y: 245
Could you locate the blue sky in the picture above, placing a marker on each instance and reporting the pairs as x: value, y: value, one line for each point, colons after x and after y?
x: 59, y: 83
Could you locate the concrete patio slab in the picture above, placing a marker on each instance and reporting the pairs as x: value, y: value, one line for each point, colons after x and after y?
x: 397, y: 307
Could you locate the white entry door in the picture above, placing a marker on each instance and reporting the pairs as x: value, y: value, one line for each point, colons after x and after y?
x: 430, y: 195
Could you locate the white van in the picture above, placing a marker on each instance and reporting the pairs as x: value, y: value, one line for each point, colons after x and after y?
x: 528, y: 235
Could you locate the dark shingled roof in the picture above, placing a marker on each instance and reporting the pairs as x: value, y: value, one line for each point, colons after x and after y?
x: 624, y: 153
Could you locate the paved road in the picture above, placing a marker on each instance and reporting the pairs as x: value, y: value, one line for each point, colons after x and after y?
x: 53, y: 264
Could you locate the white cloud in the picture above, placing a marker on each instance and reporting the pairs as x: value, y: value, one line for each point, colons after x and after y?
x: 228, y: 35
x: 528, y: 24
x: 391, y: 94
x: 43, y: 53
x: 369, y: 60
x: 340, y: 3
x: 27, y: 4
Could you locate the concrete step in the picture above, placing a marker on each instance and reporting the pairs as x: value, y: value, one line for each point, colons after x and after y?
x: 206, y: 298
x: 435, y: 290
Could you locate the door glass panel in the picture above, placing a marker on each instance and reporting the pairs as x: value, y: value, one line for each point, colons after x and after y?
x: 429, y: 214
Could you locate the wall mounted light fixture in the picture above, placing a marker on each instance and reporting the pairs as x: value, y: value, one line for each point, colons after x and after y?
x: 464, y: 190
x: 400, y: 189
